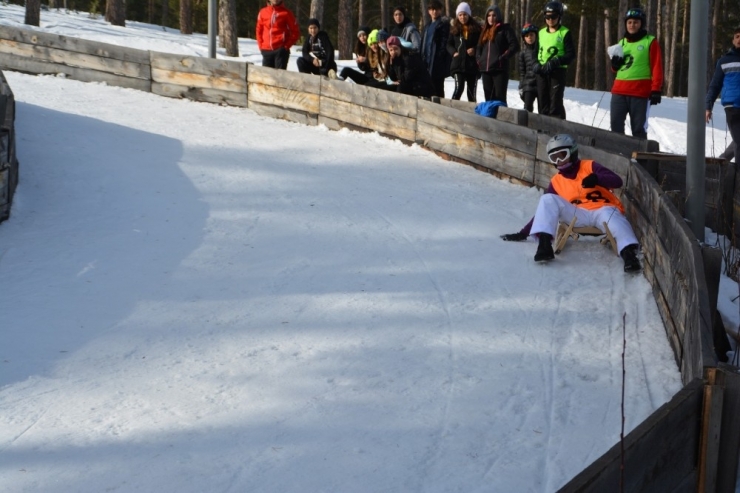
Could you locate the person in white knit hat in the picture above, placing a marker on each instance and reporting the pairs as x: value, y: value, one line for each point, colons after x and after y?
x: 464, y: 35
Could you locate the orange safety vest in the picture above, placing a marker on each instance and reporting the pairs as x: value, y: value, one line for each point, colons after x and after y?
x: 588, y: 198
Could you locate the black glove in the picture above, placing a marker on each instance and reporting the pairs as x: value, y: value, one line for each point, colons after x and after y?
x: 537, y: 69
x: 590, y: 181
x: 521, y: 93
x: 552, y: 64
x: 654, y: 98
x: 514, y: 237
x: 617, y: 62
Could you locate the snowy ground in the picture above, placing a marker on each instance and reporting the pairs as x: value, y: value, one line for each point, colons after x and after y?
x: 198, y: 298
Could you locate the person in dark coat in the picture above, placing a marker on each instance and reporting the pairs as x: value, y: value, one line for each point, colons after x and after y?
x: 318, y: 52
x: 555, y: 52
x: 527, y: 66
x: 360, y: 50
x: 498, y: 43
x: 434, y: 47
x: 464, y: 36
x: 726, y: 82
x: 405, y: 29
x: 407, y: 70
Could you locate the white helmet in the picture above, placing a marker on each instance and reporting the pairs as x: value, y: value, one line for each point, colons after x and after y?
x: 562, y: 150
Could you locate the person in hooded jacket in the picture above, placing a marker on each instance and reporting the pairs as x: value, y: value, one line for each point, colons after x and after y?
x: 726, y: 80
x: 639, y: 76
x: 527, y: 66
x: 407, y: 70
x: 318, y: 52
x: 277, y: 32
x: 464, y: 36
x: 434, y: 47
x: 498, y: 43
x: 360, y: 50
x: 405, y: 29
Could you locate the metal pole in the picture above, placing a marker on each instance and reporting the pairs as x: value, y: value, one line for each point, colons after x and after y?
x: 695, y: 119
x: 212, y: 29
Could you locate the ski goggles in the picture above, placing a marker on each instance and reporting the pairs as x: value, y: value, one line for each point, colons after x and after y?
x: 550, y: 17
x: 633, y: 14
x: 559, y: 156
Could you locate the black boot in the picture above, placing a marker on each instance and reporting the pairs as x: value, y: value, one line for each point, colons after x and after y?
x: 544, y: 250
x: 629, y: 255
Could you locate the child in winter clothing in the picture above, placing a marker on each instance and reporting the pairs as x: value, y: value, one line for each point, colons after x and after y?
x: 360, y: 51
x: 407, y: 70
x: 556, y: 51
x: 498, y: 43
x: 464, y: 36
x: 527, y: 64
x: 318, y: 52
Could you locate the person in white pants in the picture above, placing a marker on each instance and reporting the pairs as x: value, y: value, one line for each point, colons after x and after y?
x: 581, y: 189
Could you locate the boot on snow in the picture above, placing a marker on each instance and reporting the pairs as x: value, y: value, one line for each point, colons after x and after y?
x: 544, y: 250
x: 629, y: 255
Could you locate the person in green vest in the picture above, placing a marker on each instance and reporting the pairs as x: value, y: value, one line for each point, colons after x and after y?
x: 638, y: 63
x: 556, y: 51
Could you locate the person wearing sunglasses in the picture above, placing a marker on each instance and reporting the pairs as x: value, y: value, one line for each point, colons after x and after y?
x: 556, y: 50
x: 639, y: 76
x: 582, y: 188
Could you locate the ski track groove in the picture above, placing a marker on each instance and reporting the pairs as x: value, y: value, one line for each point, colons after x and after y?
x: 26, y: 430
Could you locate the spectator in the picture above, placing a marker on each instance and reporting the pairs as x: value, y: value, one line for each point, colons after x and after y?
x: 464, y: 36
x: 527, y: 64
x: 379, y: 62
x: 405, y: 29
x: 277, y: 32
x: 498, y: 43
x: 434, y: 47
x: 407, y: 70
x: 726, y: 80
x: 639, y: 80
x: 556, y: 50
x: 360, y: 51
x: 581, y: 189
x: 318, y: 53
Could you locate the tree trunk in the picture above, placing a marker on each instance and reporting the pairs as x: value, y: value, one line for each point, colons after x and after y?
x: 317, y: 10
x: 227, y: 27
x: 165, y: 12
x: 608, y: 41
x: 651, y: 15
x: 600, y: 56
x: 581, y: 52
x: 361, y: 14
x: 671, y: 61
x: 682, y: 79
x: 712, y: 55
x: 448, y: 9
x: 150, y: 11
x: 186, y: 16
x: 220, y: 22
x: 345, y: 36
x: 115, y: 12
x: 620, y: 18
x: 33, y: 12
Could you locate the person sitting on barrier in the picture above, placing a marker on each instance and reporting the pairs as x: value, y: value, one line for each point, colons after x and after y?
x: 318, y: 53
x: 408, y: 71
x: 379, y: 61
x: 360, y: 51
x: 580, y: 189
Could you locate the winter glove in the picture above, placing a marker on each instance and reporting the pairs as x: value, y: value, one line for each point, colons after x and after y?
x: 537, y: 69
x: 521, y: 93
x: 590, y: 181
x: 514, y: 237
x: 551, y: 65
x: 617, y: 62
x: 654, y: 98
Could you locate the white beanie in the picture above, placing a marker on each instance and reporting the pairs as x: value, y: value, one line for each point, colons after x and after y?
x: 463, y: 7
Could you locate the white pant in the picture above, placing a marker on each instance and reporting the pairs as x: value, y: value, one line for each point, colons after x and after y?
x: 553, y: 208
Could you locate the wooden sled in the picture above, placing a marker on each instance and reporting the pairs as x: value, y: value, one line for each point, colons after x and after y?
x: 570, y: 231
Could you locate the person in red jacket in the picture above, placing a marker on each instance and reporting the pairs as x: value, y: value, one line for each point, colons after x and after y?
x: 277, y: 31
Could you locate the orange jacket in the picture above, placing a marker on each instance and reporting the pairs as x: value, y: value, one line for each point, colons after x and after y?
x: 276, y: 28
x: 588, y: 198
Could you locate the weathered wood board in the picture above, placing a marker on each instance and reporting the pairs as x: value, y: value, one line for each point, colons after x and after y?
x: 200, y: 94
x: 281, y: 113
x: 369, y: 97
x: 371, y: 119
x: 279, y: 96
x: 293, y: 81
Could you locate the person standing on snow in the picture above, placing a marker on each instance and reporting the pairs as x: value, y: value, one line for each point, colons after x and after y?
x: 405, y: 29
x: 434, y: 47
x: 726, y: 80
x: 498, y: 43
x: 556, y: 51
x: 639, y: 78
x: 581, y: 189
x: 527, y: 64
x: 464, y: 36
x: 277, y: 32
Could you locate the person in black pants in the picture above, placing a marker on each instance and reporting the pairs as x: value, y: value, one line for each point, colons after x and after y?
x: 464, y: 35
x: 498, y: 43
x: 527, y: 64
x: 318, y: 52
x: 434, y: 47
x: 556, y: 50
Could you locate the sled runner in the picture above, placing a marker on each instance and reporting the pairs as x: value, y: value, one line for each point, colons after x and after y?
x: 570, y: 231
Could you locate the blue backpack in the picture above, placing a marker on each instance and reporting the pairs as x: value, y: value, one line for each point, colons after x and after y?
x: 488, y: 108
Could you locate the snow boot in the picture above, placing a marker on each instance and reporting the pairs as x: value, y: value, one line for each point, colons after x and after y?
x: 629, y: 255
x: 544, y: 250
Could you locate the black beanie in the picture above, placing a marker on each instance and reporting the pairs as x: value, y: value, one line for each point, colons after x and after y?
x: 314, y: 22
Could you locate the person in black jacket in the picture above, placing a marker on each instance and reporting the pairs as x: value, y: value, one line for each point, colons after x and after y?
x: 407, y: 70
x: 555, y: 52
x: 464, y: 35
x: 360, y: 51
x: 527, y: 66
x: 498, y: 43
x: 405, y: 29
x: 434, y: 47
x: 318, y: 52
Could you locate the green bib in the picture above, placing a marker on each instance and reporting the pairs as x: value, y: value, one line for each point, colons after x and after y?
x: 636, y: 60
x: 551, y: 44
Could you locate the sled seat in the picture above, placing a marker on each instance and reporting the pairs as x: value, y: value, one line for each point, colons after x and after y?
x: 566, y: 231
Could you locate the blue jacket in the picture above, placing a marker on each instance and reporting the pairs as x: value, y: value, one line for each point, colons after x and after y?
x: 727, y: 80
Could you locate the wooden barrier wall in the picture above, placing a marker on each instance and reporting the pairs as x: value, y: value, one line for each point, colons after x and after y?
x: 8, y: 160
x: 512, y: 146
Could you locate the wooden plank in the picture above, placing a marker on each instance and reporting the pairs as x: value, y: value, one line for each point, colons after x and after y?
x: 477, y: 127
x: 198, y: 80
x: 710, y: 434
x: 660, y: 453
x: 457, y: 104
x: 379, y: 121
x: 200, y: 94
x: 497, y: 158
x: 73, y: 59
x: 77, y: 45
x: 22, y: 64
x: 282, y: 113
x: 293, y: 81
x: 211, y: 67
x: 730, y: 436
x: 370, y: 97
x: 287, y: 98
x: 513, y: 116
